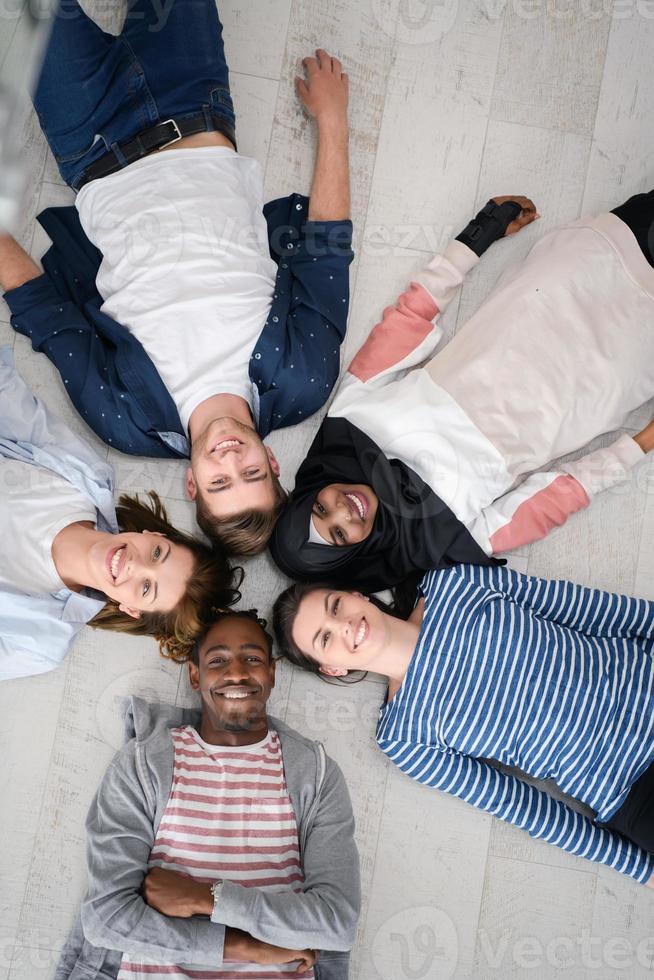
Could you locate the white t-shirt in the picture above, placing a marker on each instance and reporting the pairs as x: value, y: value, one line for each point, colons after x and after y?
x: 35, y: 504
x: 186, y: 265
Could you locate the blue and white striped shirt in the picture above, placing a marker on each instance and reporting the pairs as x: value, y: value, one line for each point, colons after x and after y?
x: 551, y: 678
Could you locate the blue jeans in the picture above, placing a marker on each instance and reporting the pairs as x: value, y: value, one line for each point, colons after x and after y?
x: 97, y: 90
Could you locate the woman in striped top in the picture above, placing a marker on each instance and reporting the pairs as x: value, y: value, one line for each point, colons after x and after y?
x: 548, y: 677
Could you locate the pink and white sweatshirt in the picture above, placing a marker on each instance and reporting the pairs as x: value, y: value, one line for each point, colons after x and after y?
x: 560, y: 352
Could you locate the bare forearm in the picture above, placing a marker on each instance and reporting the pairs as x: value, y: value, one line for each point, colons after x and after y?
x: 238, y: 946
x: 241, y: 947
x: 330, y: 192
x: 324, y: 95
x: 645, y: 438
x: 16, y: 267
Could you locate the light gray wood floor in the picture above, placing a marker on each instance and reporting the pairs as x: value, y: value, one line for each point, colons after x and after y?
x: 451, y: 102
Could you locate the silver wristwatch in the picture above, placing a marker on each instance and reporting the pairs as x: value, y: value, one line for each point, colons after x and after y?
x: 216, y: 890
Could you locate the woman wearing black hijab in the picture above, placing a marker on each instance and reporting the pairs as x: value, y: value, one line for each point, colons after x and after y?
x: 424, y: 467
x: 410, y: 528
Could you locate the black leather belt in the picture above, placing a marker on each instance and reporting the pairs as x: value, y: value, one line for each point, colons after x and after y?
x: 155, y: 138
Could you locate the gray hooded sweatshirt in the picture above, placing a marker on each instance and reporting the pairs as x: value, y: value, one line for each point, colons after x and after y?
x: 121, y: 827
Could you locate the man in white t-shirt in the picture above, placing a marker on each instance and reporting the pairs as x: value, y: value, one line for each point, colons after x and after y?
x: 142, y: 126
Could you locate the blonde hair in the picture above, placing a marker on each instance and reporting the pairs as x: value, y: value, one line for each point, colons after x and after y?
x: 245, y: 534
x: 213, y: 583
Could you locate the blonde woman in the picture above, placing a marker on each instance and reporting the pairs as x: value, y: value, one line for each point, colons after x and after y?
x: 68, y: 557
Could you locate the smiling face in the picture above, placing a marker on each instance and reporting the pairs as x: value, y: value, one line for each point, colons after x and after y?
x: 342, y: 631
x: 344, y: 514
x: 231, y: 469
x: 141, y: 572
x: 234, y: 675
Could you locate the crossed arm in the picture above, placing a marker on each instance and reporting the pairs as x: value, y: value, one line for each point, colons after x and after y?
x: 159, y: 917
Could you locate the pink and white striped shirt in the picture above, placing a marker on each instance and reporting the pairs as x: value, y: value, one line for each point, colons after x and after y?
x: 228, y: 816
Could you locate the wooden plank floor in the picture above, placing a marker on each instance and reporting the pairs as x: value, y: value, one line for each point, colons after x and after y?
x: 451, y: 102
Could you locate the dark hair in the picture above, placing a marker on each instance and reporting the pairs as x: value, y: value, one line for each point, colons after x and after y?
x: 222, y: 614
x: 213, y: 582
x: 245, y: 534
x: 285, y: 612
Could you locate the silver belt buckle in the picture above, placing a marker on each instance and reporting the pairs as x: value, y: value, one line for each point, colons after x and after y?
x: 175, y: 139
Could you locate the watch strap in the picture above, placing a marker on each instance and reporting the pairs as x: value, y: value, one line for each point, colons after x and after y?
x: 216, y: 891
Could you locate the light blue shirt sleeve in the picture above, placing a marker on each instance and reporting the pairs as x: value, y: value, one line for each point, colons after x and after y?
x: 31, y: 433
x: 36, y: 632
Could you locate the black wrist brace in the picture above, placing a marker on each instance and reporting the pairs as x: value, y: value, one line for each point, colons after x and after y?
x: 489, y: 225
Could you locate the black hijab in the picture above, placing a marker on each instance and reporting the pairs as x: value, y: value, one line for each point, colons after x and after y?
x: 413, y: 529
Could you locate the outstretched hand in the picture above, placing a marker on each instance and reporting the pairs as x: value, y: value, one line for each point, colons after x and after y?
x: 526, y: 216
x: 324, y: 91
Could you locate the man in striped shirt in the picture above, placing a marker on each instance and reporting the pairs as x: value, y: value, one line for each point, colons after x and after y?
x: 220, y: 844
